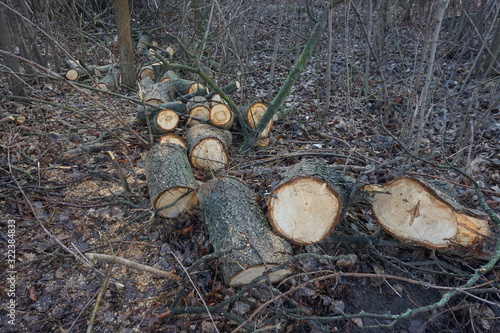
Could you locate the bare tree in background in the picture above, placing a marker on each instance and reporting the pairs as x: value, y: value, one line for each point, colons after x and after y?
x: 17, y: 85
x: 125, y: 49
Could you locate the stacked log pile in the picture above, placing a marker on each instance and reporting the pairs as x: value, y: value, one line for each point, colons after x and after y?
x: 305, y: 205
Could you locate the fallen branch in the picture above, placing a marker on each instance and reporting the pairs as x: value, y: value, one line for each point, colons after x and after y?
x: 132, y: 264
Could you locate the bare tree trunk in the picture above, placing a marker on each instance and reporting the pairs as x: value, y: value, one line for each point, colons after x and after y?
x: 491, y: 63
x: 17, y: 85
x: 328, y: 75
x: 125, y: 49
x: 421, y: 112
x: 197, y: 18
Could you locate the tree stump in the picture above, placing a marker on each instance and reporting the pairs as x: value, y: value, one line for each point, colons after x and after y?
x: 208, y: 146
x: 170, y: 179
x: 235, y: 222
x: 307, y: 203
x: 419, y: 212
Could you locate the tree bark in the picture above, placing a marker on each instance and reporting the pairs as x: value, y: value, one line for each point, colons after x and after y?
x: 125, y: 49
x: 170, y: 179
x: 235, y: 222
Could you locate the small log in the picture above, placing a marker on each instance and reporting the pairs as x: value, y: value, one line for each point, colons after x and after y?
x: 208, y: 146
x: 234, y: 221
x: 228, y: 89
x: 180, y: 87
x: 173, y: 139
x: 142, y: 47
x: 420, y: 212
x: 188, y: 97
x: 307, y: 203
x: 220, y: 115
x: 170, y: 75
x: 112, y: 79
x: 170, y: 179
x: 150, y: 112
x: 147, y: 71
x: 78, y: 73
x: 155, y: 93
x: 164, y: 121
x: 198, y: 110
x: 253, y: 115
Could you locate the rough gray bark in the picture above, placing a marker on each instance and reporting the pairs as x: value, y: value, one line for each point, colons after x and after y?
x: 170, y: 179
x: 234, y: 221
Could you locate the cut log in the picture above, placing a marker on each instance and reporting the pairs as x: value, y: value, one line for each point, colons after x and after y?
x: 155, y: 93
x: 221, y: 116
x: 150, y: 112
x: 112, y: 79
x: 198, y: 110
x: 173, y: 139
x: 420, y: 212
x: 253, y: 115
x: 170, y: 179
x: 235, y: 222
x: 307, y: 203
x: 147, y: 71
x: 142, y: 47
x: 228, y: 89
x: 208, y: 146
x: 164, y: 121
x: 180, y: 87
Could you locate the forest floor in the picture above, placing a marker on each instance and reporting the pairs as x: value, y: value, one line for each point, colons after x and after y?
x: 57, y: 192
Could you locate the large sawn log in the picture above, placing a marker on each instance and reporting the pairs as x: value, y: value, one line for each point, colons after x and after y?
x: 424, y: 213
x: 308, y: 201
x: 234, y: 221
x: 170, y: 179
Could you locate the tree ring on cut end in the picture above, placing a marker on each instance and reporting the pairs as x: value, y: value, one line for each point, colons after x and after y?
x: 246, y: 276
x: 304, y: 210
x: 180, y: 198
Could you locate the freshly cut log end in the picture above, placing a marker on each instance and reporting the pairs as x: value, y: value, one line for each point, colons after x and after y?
x: 246, y: 276
x: 208, y: 147
x: 164, y: 121
x: 416, y: 212
x: 221, y: 116
x: 198, y: 110
x: 307, y: 203
x: 304, y: 210
x: 147, y: 72
x: 234, y: 221
x: 254, y: 114
x: 173, y: 139
x: 171, y: 181
x: 176, y: 200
